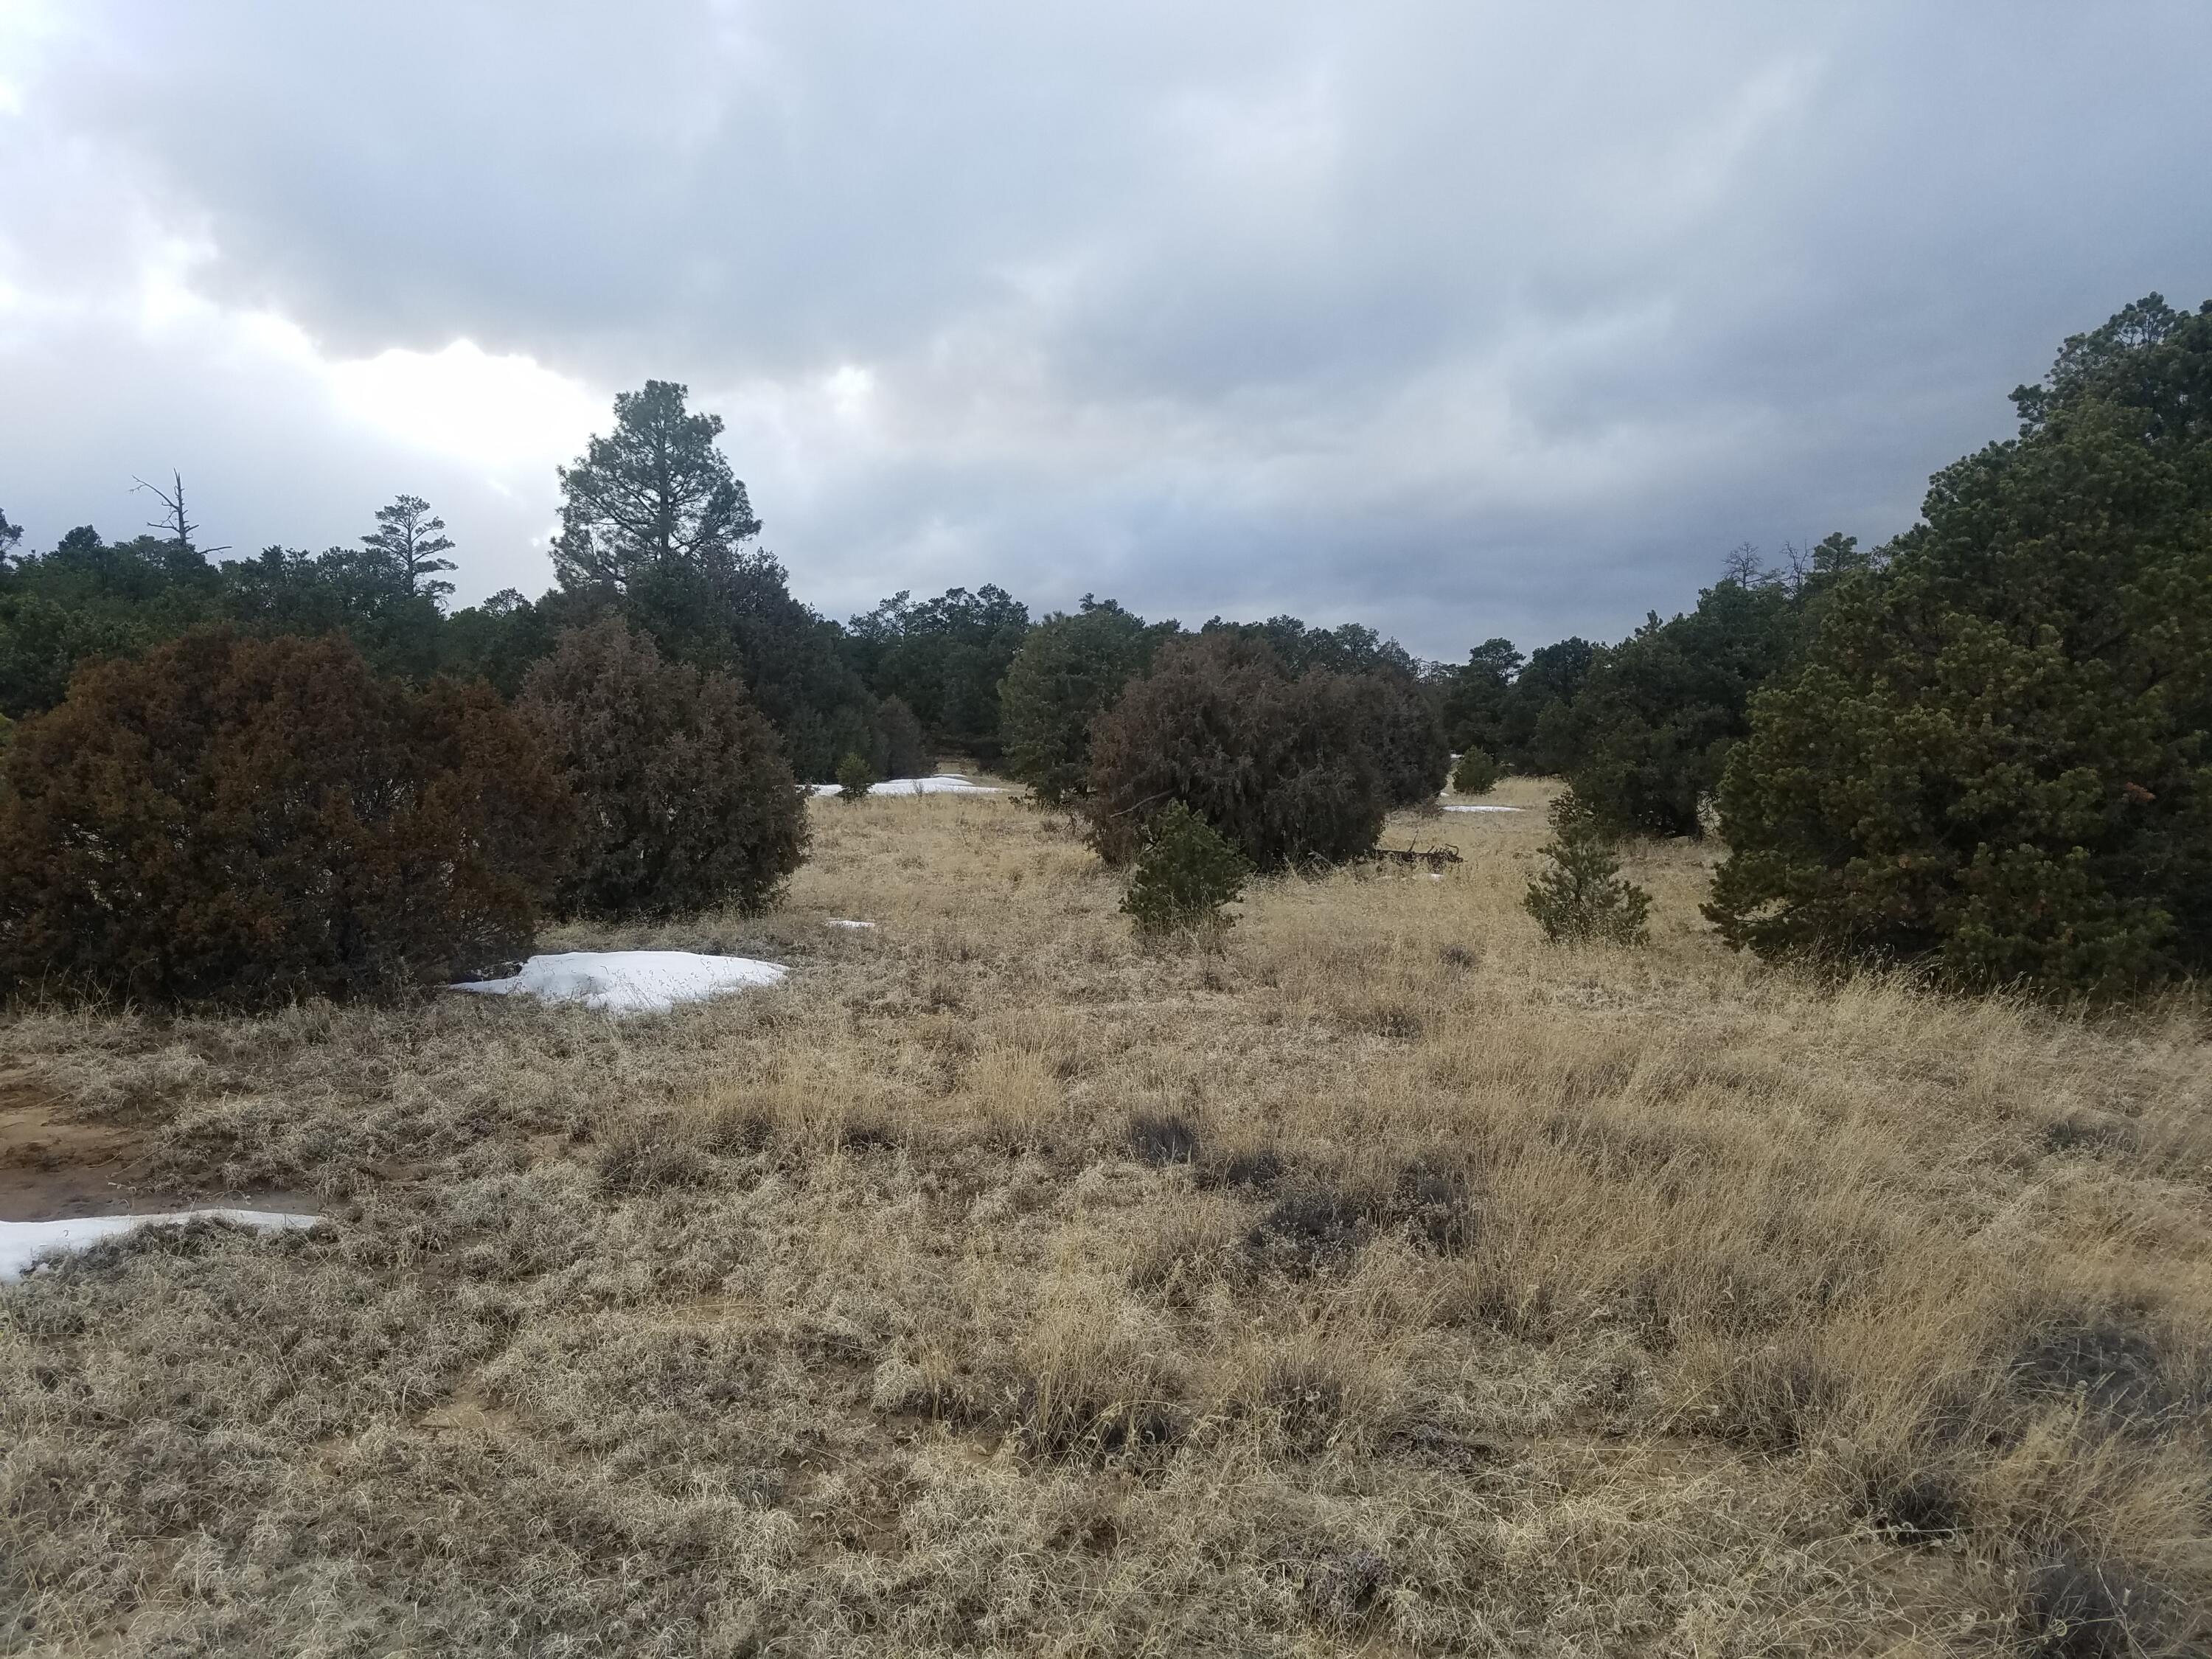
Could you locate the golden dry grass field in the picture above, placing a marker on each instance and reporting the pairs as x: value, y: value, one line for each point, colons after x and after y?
x: 1386, y: 1283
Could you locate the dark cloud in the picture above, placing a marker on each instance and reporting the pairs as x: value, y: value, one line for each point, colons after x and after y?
x: 1458, y: 319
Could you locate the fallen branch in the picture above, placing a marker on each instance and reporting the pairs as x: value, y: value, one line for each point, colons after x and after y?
x: 1434, y: 858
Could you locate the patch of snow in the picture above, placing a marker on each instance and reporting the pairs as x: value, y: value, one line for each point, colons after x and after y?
x: 23, y: 1243
x: 1463, y: 806
x: 631, y: 981
x: 840, y: 921
x: 945, y: 783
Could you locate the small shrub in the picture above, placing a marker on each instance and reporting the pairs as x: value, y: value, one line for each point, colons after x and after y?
x: 688, y: 802
x: 854, y: 778
x: 1582, y: 897
x: 1475, y: 775
x: 1186, y: 877
x: 235, y: 823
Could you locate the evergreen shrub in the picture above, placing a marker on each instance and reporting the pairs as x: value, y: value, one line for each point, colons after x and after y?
x: 854, y: 778
x: 1282, y: 768
x: 231, y: 822
x: 687, y: 801
x: 1185, y: 877
x: 1475, y: 775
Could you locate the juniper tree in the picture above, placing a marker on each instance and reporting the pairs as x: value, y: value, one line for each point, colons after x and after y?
x: 228, y: 822
x: 944, y: 659
x: 905, y: 748
x: 1648, y: 733
x: 1281, y: 766
x: 1401, y: 710
x: 1552, y: 678
x: 1473, y: 695
x: 1475, y: 775
x: 686, y: 800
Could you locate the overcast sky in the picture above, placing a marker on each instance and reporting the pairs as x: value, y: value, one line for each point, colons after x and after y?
x: 1458, y: 319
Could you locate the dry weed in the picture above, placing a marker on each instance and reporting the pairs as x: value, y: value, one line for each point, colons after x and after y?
x: 1390, y: 1282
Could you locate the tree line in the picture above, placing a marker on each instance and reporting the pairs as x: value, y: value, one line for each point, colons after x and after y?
x: 656, y: 529
x: 1982, y: 748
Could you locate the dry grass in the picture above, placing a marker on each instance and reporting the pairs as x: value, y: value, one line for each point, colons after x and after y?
x: 1386, y: 1281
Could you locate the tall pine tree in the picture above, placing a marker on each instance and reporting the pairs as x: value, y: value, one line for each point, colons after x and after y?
x: 654, y: 492
x: 408, y: 549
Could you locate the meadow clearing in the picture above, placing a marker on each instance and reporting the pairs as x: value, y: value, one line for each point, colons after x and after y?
x: 1385, y: 1282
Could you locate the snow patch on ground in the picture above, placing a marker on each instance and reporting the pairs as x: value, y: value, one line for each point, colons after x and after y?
x: 1467, y: 806
x: 945, y: 783
x: 23, y: 1243
x: 631, y: 981
x: 840, y: 921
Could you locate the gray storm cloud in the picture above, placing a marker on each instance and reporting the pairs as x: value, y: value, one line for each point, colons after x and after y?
x: 1456, y: 319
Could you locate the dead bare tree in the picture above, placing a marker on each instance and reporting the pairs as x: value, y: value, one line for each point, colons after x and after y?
x: 1745, y: 567
x: 173, y: 521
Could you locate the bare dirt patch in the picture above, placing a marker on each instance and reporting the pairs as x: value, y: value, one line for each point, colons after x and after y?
x: 58, y: 1165
x: 54, y: 1167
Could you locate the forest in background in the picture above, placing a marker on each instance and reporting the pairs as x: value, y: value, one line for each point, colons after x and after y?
x: 680, y: 563
x: 1982, y: 745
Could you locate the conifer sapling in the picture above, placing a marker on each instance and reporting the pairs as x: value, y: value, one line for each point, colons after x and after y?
x: 1583, y: 898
